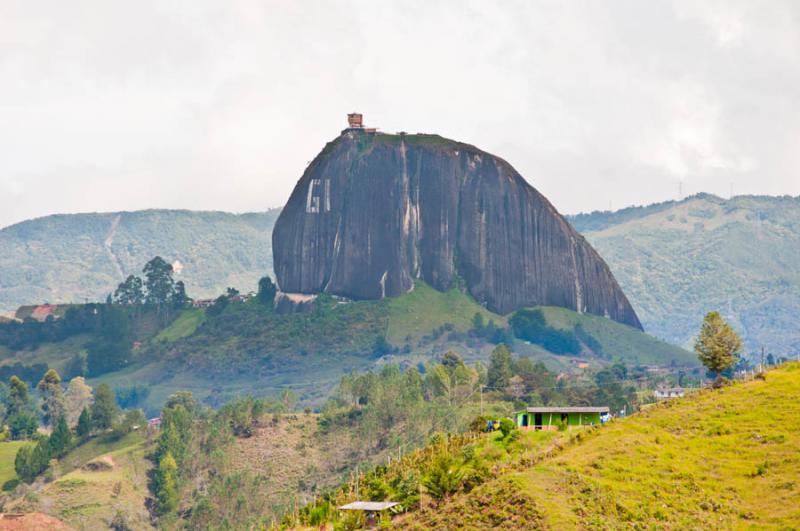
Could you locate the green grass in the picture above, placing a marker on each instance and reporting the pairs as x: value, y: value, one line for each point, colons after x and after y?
x: 620, y: 341
x: 423, y: 309
x: 96, y: 447
x: 8, y: 452
x: 183, y: 326
x: 88, y: 499
x: 720, y: 459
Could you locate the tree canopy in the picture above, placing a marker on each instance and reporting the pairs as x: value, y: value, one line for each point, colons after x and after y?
x: 718, y: 346
x: 53, y: 404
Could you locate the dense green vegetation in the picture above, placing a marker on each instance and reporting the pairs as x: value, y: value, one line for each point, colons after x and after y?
x: 609, y: 340
x: 241, y: 345
x: 678, y: 260
x: 72, y: 258
x: 250, y: 336
x: 375, y: 415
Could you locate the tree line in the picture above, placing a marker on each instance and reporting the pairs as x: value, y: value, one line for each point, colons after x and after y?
x: 73, y: 415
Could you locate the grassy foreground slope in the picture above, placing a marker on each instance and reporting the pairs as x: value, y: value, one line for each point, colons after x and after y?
x: 717, y: 460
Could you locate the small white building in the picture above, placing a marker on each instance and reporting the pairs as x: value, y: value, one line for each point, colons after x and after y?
x: 665, y: 393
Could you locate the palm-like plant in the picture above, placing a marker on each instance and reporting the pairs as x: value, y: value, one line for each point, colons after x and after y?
x: 445, y: 477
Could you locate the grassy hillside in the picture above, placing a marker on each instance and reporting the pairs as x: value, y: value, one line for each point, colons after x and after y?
x: 70, y: 258
x: 250, y: 349
x: 620, y: 342
x: 677, y: 260
x: 92, y: 485
x: 8, y: 451
x: 716, y: 460
x: 424, y: 308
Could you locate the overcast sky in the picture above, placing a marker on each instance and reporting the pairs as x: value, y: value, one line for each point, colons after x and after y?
x: 111, y: 105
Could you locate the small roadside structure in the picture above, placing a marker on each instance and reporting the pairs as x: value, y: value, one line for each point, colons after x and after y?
x: 373, y: 509
x: 550, y: 418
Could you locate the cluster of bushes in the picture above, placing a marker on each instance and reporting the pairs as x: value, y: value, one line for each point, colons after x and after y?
x: 31, y: 461
x: 489, y: 332
x: 519, y: 379
x: 265, y: 339
x: 30, y: 333
x: 531, y: 325
x: 408, y: 403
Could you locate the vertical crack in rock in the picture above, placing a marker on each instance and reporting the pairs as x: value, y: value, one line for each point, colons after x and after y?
x: 373, y: 212
x: 579, y: 307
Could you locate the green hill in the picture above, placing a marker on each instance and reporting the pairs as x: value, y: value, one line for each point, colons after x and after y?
x: 718, y: 459
x: 93, y: 484
x: 249, y: 348
x: 71, y: 258
x: 680, y: 259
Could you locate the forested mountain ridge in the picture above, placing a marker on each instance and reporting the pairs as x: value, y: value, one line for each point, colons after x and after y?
x: 679, y: 259
x: 674, y: 260
x: 69, y: 258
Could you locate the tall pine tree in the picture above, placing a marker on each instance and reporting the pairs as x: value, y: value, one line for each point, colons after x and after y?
x: 60, y: 439
x: 104, y: 409
x: 53, y: 405
x: 84, y: 427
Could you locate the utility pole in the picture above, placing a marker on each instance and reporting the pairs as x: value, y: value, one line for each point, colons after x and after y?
x: 480, y: 387
x: 761, y: 368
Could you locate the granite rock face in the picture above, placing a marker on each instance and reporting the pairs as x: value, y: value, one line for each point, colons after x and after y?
x: 373, y: 212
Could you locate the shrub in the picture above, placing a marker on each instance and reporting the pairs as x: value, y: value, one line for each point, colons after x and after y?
x: 531, y: 325
x: 479, y: 423
x: 23, y: 425
x: 507, y: 426
x: 444, y: 478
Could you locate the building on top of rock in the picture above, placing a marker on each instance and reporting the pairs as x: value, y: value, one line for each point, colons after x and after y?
x: 355, y: 120
x: 371, y: 216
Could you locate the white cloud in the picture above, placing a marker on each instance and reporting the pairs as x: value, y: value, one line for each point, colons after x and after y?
x: 109, y: 105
